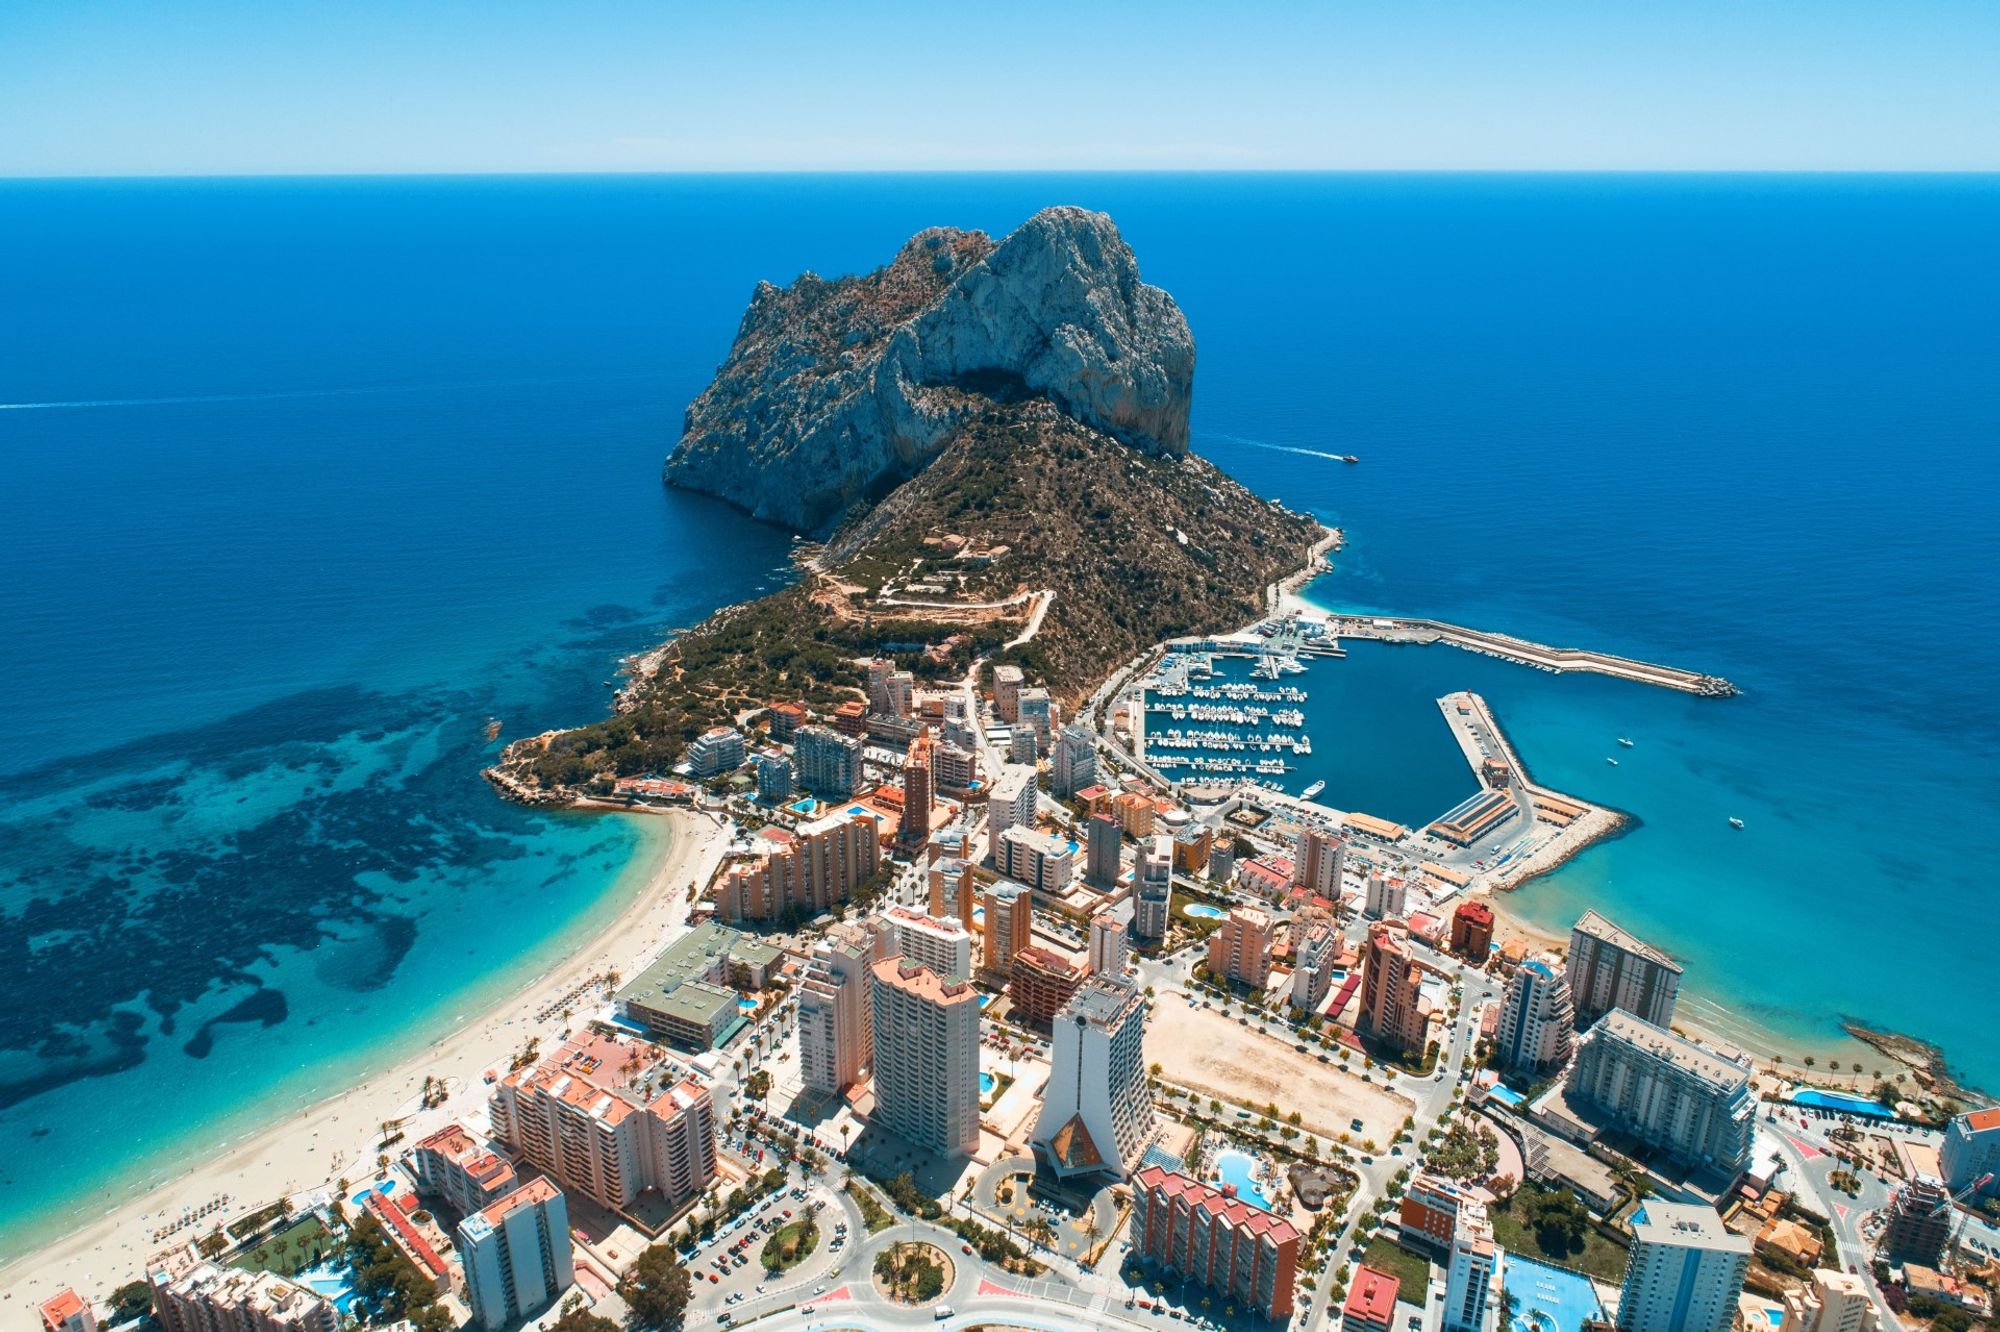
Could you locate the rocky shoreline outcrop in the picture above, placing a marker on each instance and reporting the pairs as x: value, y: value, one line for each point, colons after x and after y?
x: 836, y: 391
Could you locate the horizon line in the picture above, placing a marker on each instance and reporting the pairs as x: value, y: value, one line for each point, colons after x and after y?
x: 860, y: 171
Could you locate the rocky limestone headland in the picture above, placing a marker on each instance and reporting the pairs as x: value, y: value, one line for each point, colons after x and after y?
x: 992, y: 438
x: 836, y: 391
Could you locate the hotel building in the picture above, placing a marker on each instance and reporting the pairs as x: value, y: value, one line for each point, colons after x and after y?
x: 1243, y: 1253
x: 1105, y: 838
x: 1097, y: 1111
x: 1010, y: 802
x: 926, y: 1057
x: 814, y: 867
x: 1609, y: 968
x: 596, y: 1117
x: 1971, y: 1151
x: 954, y: 891
x: 774, y: 779
x: 715, y: 751
x: 1472, y: 932
x: 1427, y: 1217
x: 1472, y: 1274
x: 915, y: 824
x: 1316, y: 947
x: 1684, y: 1272
x: 517, y: 1254
x: 1036, y: 711
x: 1689, y: 1102
x: 1136, y: 813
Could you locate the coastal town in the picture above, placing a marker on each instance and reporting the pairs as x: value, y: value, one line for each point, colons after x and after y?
x: 961, y: 1007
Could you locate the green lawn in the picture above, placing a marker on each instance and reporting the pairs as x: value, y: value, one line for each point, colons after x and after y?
x: 790, y: 1245
x: 1412, y: 1270
x: 1599, y: 1257
x: 304, y: 1244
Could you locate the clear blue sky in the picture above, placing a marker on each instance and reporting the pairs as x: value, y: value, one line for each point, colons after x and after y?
x: 263, y: 86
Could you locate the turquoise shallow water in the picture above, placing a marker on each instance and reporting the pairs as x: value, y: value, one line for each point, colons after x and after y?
x: 306, y: 479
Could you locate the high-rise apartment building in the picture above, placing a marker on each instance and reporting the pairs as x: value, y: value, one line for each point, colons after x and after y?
x: 1240, y: 952
x: 602, y: 1118
x: 1385, y: 896
x: 926, y: 1057
x: 1097, y: 1110
x: 1041, y: 860
x: 67, y: 1311
x: 954, y: 768
x: 1316, y: 862
x: 1007, y: 693
x: 516, y: 1253
x: 954, y: 891
x: 835, y: 1018
x: 1831, y: 1302
x: 1472, y: 932
x: 1105, y: 838
x: 1243, y: 1253
x: 717, y: 750
x: 1153, y: 888
x: 1394, y: 1011
x: 1536, y: 1030
x: 1971, y: 1152
x: 1039, y: 983
x: 1684, y: 1272
x: 1073, y: 762
x: 828, y: 763
x: 1110, y: 948
x: 1689, y: 1102
x: 774, y: 779
x: 809, y: 869
x: 915, y: 824
x: 1036, y: 711
x: 1011, y: 802
x: 1609, y: 968
x: 1472, y: 1273
x: 1918, y: 1227
x: 1136, y: 813
x: 1316, y: 948
x: 1010, y: 925
x: 938, y: 942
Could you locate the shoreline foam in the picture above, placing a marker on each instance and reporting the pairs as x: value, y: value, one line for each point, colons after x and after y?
x: 336, y: 1136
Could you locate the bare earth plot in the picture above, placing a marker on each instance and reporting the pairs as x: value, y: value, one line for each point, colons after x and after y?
x: 1200, y: 1048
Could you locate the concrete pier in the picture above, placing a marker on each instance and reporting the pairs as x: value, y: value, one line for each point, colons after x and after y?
x: 1403, y: 629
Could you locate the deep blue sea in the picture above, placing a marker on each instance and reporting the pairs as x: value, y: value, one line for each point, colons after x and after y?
x: 304, y: 480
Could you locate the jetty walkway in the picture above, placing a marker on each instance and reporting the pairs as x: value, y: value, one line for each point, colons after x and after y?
x: 1403, y: 629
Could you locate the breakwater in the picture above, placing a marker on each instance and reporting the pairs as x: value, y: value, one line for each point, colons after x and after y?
x: 1403, y: 629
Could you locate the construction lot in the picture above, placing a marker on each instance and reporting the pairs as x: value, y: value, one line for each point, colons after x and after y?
x: 1200, y: 1048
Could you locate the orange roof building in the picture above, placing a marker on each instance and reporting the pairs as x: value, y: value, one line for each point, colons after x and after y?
x: 1216, y: 1240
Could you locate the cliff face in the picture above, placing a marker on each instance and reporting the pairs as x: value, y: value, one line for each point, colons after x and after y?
x: 835, y: 392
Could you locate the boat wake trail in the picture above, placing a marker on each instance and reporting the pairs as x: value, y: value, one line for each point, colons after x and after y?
x: 1282, y: 448
x: 282, y: 395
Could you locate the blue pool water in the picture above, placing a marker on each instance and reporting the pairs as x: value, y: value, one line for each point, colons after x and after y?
x: 747, y: 1004
x: 805, y: 806
x: 1833, y: 1100
x: 1205, y: 911
x: 984, y: 1000
x: 1506, y: 1095
x: 1238, y: 1168
x: 333, y: 1281
x: 987, y: 1082
x: 1551, y: 1299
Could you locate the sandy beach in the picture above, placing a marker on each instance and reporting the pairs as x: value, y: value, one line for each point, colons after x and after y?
x: 337, y: 1137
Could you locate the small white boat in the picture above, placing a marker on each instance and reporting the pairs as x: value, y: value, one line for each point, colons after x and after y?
x: 1623, y: 741
x: 1735, y: 822
x: 1312, y: 790
x: 1612, y: 761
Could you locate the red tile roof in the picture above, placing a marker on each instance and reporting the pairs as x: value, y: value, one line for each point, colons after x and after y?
x: 1223, y: 1206
x: 1372, y: 1296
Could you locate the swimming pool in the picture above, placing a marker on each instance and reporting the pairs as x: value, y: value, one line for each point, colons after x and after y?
x: 1239, y: 1169
x: 1204, y: 911
x: 987, y: 1082
x: 333, y: 1282
x: 1551, y: 1299
x: 986, y: 999
x: 748, y: 1005
x: 385, y: 1188
x: 1844, y: 1102
x: 805, y: 806
x: 1506, y: 1095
